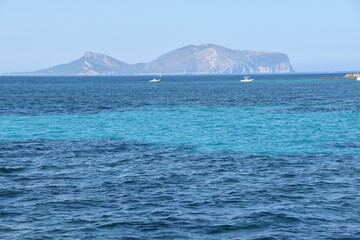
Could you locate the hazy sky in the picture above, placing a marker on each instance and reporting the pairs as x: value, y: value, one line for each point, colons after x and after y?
x: 317, y: 35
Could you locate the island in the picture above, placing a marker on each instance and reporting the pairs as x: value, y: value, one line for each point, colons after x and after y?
x: 192, y: 59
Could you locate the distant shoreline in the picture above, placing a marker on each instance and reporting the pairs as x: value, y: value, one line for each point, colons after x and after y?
x: 349, y: 75
x: 198, y: 74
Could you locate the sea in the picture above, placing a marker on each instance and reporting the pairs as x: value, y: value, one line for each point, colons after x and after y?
x: 191, y: 157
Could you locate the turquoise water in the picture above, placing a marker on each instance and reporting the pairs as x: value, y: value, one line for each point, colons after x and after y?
x: 209, y: 129
x: 192, y: 157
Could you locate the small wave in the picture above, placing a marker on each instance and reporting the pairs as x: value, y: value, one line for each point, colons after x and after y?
x: 230, y: 228
x: 11, y: 169
x: 274, y: 217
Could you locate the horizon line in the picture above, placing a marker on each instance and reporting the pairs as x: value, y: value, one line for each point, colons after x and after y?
x: 173, y: 74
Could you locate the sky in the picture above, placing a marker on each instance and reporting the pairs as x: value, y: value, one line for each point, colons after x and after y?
x: 317, y: 35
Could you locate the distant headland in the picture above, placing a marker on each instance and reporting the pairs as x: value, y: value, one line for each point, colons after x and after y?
x: 191, y: 59
x: 349, y: 75
x: 353, y: 75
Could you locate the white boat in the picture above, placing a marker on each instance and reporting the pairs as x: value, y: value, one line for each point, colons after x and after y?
x: 358, y: 79
x: 155, y: 80
x: 247, y: 79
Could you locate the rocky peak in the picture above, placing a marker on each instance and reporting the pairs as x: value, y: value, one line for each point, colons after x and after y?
x: 102, y: 59
x: 95, y: 55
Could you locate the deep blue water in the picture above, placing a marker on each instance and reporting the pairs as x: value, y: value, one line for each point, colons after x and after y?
x: 192, y: 157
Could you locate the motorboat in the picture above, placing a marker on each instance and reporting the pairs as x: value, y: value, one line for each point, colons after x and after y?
x: 247, y: 79
x: 358, y: 79
x: 155, y: 80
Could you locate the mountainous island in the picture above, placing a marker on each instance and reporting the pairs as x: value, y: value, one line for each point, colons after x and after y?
x: 191, y: 59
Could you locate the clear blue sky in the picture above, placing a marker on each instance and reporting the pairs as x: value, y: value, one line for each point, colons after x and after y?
x: 317, y: 35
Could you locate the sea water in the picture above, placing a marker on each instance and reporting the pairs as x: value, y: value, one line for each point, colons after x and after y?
x: 191, y: 157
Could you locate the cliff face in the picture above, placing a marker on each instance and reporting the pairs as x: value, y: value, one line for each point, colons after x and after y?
x: 192, y: 59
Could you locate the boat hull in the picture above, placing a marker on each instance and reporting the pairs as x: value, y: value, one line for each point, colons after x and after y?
x: 155, y: 80
x: 246, y: 80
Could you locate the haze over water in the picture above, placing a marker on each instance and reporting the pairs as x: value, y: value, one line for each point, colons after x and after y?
x: 192, y: 157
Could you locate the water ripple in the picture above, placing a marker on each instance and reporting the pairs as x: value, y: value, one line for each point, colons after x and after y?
x: 136, y: 190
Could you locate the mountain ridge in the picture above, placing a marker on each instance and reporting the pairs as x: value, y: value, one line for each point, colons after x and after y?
x: 191, y: 59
